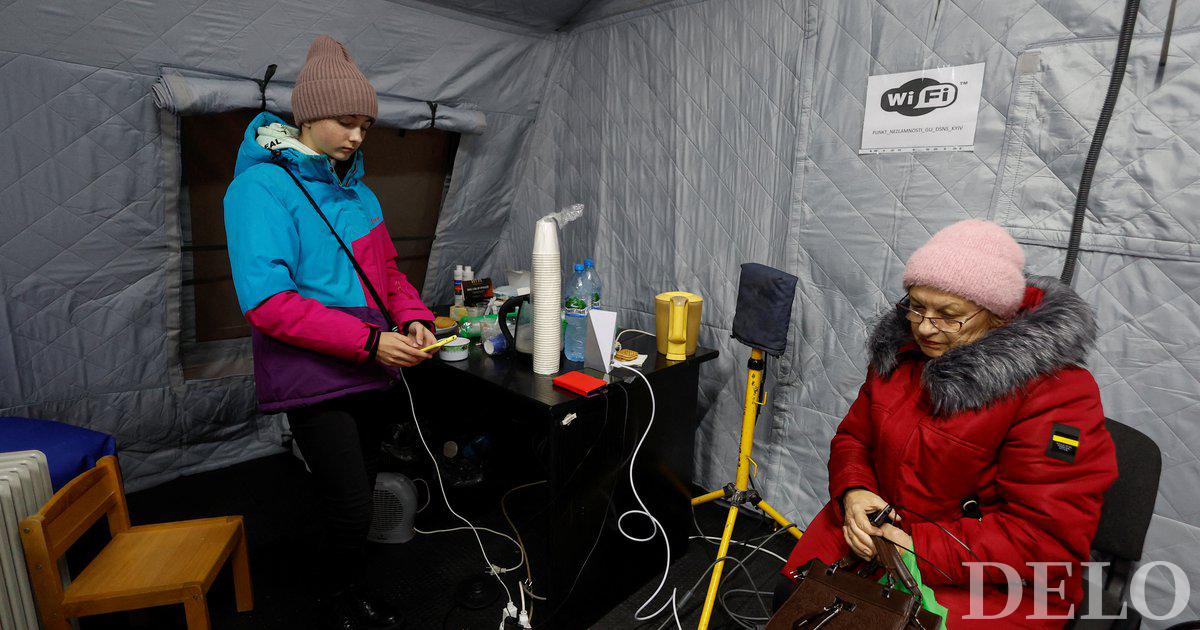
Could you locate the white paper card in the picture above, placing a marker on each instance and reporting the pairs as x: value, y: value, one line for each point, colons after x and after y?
x: 926, y: 110
x: 601, y: 333
x: 638, y: 362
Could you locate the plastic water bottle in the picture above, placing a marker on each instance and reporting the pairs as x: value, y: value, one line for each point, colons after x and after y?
x: 577, y: 305
x: 593, y: 278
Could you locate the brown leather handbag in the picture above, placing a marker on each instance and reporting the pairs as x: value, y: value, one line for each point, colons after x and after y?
x: 849, y: 595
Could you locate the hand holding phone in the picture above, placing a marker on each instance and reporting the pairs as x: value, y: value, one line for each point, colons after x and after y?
x: 439, y: 344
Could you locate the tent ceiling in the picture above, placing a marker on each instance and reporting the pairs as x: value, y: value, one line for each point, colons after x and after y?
x: 545, y: 15
x: 539, y: 14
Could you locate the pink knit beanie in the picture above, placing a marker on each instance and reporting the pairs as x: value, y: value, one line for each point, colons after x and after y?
x: 973, y: 259
x: 331, y: 85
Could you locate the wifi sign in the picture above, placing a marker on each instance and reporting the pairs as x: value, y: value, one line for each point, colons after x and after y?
x: 918, y: 97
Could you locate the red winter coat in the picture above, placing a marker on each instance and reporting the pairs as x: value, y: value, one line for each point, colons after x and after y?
x: 979, y: 421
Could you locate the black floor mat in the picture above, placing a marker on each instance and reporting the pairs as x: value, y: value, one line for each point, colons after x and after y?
x: 420, y: 577
x: 692, y: 572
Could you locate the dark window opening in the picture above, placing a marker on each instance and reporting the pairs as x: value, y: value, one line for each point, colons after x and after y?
x: 409, y: 171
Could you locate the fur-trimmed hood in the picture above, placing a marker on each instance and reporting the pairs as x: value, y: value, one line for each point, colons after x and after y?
x: 1054, y: 329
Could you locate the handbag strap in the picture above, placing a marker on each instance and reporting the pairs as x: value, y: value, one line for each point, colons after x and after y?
x: 817, y: 620
x: 387, y: 317
x: 889, y: 555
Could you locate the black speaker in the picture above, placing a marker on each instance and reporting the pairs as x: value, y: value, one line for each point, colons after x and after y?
x: 764, y: 307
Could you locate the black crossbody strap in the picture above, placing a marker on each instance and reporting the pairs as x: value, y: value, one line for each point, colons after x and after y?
x: 387, y: 317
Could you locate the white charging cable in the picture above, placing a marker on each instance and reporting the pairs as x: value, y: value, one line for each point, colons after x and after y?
x: 657, y: 526
x: 442, y: 485
x: 631, y: 330
x: 496, y: 569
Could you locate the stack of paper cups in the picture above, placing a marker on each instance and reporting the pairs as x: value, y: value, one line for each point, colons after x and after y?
x: 546, y: 297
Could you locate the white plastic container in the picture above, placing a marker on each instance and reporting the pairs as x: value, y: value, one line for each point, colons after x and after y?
x: 456, y: 350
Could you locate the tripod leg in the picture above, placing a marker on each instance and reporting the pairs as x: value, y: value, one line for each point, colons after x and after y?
x: 783, y: 522
x: 754, y: 378
x: 711, y: 496
x: 714, y: 582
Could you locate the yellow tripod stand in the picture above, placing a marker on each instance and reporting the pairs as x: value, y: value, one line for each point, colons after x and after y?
x: 739, y: 492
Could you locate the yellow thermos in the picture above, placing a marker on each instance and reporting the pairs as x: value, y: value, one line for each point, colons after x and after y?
x: 677, y: 323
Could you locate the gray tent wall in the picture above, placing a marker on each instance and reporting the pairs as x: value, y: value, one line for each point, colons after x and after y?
x: 706, y: 134
x: 89, y: 211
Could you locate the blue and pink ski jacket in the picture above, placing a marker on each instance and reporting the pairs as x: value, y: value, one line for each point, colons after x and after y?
x: 314, y: 325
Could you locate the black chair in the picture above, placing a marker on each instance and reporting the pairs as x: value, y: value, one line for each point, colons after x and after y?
x: 1128, y: 506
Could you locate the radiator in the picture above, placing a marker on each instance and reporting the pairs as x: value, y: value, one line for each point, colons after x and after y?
x: 24, y: 489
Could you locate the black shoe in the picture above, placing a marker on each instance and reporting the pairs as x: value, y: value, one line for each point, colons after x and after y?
x: 351, y: 610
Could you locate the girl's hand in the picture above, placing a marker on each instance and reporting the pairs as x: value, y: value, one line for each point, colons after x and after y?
x: 857, y: 528
x: 422, y: 336
x: 396, y: 350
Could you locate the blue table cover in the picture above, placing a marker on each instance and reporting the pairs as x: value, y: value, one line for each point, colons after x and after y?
x: 69, y: 450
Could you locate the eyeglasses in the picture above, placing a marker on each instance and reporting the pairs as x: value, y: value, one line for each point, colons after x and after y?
x: 944, y: 324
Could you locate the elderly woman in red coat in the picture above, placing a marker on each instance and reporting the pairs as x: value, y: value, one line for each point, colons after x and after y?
x: 980, y: 426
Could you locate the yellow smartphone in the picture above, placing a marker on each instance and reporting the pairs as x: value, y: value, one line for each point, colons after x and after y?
x: 439, y: 344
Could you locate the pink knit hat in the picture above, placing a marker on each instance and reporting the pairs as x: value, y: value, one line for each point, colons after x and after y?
x: 331, y: 85
x: 973, y: 259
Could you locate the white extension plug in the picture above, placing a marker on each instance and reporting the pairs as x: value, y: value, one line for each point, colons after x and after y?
x: 508, y: 612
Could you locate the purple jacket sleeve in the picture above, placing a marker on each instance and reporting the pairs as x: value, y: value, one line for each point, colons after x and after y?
x: 305, y: 322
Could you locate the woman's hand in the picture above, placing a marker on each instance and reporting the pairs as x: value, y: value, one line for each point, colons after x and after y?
x: 422, y: 336
x: 898, y: 536
x: 396, y: 350
x: 857, y: 528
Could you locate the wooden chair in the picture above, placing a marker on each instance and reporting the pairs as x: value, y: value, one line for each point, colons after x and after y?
x: 143, y: 566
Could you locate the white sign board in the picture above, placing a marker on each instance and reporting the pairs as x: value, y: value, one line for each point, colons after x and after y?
x: 601, y: 335
x: 926, y: 110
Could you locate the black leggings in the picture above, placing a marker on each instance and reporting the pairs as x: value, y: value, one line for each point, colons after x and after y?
x: 340, y: 441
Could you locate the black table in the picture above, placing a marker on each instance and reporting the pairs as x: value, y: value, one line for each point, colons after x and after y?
x: 587, y: 443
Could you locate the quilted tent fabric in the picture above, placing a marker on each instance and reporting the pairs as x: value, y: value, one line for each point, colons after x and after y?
x: 1145, y: 204
x: 702, y: 135
x: 190, y: 93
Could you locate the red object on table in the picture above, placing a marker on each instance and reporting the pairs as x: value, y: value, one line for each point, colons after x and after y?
x: 580, y: 383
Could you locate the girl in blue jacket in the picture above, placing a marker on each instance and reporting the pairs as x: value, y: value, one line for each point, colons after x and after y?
x: 328, y: 330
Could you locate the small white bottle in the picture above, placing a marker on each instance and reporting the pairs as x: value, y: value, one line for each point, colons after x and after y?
x: 458, y: 288
x: 468, y: 274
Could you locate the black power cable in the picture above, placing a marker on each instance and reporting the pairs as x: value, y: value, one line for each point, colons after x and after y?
x: 1106, y: 111
x: 1166, y: 45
